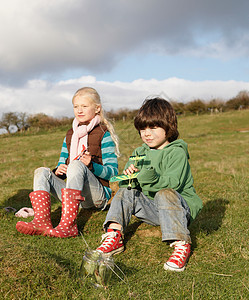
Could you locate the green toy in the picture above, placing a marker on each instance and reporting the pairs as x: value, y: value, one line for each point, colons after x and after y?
x: 123, y: 177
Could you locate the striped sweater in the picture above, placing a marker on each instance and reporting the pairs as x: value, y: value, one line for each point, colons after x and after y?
x: 109, y: 159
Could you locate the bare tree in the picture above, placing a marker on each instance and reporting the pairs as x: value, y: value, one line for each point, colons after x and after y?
x: 22, y: 123
x: 12, y: 120
x: 8, y: 120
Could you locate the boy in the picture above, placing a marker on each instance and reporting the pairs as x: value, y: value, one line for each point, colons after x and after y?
x: 163, y: 192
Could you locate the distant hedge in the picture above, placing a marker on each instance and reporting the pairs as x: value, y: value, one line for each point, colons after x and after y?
x: 13, y: 121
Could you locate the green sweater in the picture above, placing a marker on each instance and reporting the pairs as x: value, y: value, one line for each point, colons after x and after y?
x: 166, y: 168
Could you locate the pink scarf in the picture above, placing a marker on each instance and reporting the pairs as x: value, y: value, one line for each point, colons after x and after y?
x: 80, y: 136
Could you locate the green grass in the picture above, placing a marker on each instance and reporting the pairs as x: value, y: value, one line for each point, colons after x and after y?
x: 35, y: 267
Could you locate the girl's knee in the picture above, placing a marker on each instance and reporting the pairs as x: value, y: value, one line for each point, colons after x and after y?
x: 42, y: 171
x: 75, y: 166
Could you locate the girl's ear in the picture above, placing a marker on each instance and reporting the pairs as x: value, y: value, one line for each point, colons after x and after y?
x: 97, y: 109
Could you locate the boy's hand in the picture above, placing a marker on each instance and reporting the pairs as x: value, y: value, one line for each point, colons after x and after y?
x: 86, y: 158
x: 132, y: 169
x: 62, y: 169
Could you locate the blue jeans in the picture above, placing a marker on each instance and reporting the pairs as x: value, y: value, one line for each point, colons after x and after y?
x: 168, y: 209
x: 79, y: 177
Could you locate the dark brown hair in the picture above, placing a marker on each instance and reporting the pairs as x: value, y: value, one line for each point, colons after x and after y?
x: 157, y: 112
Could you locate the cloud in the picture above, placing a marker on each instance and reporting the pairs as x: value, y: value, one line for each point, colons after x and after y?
x: 55, y: 98
x: 45, y: 38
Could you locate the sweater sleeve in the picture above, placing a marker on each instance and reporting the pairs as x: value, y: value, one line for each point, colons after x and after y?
x: 64, y: 154
x: 109, y: 159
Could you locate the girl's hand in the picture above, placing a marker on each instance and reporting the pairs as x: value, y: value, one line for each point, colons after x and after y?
x: 62, y: 169
x: 132, y: 169
x: 86, y: 158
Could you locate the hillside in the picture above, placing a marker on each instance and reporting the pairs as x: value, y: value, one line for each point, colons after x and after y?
x: 35, y: 267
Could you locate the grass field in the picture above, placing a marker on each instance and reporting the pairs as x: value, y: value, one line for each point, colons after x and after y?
x: 36, y: 267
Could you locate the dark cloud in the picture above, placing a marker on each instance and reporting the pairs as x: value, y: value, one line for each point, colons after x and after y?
x: 44, y: 37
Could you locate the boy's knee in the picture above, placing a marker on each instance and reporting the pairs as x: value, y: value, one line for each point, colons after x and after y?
x: 124, y: 195
x: 168, y: 197
x: 169, y: 194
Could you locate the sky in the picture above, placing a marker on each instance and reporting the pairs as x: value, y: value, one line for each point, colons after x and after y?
x: 128, y: 50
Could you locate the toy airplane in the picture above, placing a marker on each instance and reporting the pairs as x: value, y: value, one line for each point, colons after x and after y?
x: 122, y: 177
x: 139, y: 157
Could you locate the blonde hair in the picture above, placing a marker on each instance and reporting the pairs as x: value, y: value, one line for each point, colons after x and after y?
x: 94, y: 96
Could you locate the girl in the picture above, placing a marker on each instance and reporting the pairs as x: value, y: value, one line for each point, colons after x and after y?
x: 88, y: 160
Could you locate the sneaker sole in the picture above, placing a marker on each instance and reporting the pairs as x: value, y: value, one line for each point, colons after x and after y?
x: 168, y: 268
x: 114, y: 252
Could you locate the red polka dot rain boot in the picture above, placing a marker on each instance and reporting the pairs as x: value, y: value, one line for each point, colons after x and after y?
x: 70, y: 205
x: 41, y: 204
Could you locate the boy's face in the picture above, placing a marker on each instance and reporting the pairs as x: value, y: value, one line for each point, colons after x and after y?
x: 154, y: 137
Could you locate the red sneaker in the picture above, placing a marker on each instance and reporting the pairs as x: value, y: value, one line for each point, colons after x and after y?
x: 179, y: 258
x: 113, y: 243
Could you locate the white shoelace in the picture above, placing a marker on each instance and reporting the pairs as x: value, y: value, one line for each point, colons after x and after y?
x: 180, y: 250
x: 107, y: 236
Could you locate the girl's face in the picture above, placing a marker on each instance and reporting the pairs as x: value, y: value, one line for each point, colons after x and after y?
x: 154, y: 137
x: 85, y: 109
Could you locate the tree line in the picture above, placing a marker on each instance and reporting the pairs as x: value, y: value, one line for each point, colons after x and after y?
x: 197, y: 106
x: 13, y: 121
